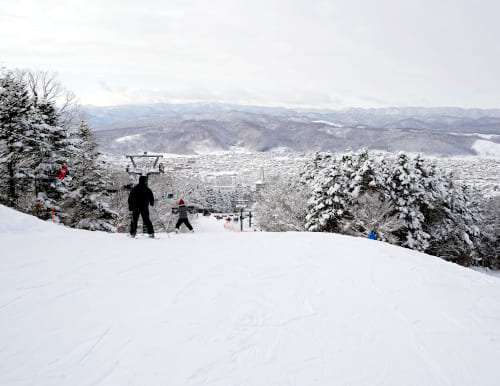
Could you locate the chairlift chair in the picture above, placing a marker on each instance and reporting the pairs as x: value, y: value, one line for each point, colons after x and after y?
x: 48, y: 172
x: 144, y: 170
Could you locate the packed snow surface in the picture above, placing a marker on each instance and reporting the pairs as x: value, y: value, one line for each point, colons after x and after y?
x: 229, y: 308
x: 486, y: 148
x: 329, y: 123
x: 128, y: 138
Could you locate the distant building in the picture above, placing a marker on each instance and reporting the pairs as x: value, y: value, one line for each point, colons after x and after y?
x: 259, y: 185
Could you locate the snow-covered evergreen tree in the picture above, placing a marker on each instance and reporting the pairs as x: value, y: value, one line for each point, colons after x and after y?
x: 34, y: 144
x: 327, y: 203
x: 336, y: 185
x: 490, y: 234
x: 405, y: 187
x: 18, y: 146
x: 87, y: 203
x: 407, y: 199
x: 54, y: 151
x: 455, y: 231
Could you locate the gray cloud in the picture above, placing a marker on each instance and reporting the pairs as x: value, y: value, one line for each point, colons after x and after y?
x: 289, y: 52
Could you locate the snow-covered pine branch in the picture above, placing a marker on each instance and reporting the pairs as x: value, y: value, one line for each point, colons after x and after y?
x: 405, y: 200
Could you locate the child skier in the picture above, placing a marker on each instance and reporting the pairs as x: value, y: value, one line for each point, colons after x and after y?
x: 183, y: 217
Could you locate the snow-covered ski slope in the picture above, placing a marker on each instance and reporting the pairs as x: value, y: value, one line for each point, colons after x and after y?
x: 227, y: 308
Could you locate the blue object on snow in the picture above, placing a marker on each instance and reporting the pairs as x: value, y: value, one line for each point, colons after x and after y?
x: 372, y: 236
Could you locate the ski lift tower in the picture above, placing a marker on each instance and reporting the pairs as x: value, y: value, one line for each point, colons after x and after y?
x: 141, y: 164
x: 241, y: 205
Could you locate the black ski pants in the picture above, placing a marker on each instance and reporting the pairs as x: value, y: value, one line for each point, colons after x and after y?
x: 183, y: 221
x: 144, y: 212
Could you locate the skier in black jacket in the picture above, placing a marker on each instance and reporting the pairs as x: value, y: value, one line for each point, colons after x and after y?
x: 138, y: 203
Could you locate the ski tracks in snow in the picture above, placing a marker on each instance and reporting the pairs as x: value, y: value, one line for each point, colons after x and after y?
x: 251, y: 316
x: 94, y: 345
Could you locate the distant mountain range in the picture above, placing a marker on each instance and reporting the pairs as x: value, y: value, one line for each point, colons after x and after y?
x: 201, y: 127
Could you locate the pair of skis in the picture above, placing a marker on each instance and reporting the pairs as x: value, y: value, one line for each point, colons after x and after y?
x: 163, y: 225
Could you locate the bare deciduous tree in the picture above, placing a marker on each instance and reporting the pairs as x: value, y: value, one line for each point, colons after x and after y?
x: 282, y: 205
x: 372, y: 213
x: 45, y: 86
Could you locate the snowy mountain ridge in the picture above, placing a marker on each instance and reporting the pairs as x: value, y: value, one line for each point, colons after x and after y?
x: 227, y: 308
x: 185, y: 129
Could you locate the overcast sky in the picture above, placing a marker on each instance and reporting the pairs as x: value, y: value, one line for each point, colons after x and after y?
x: 309, y: 53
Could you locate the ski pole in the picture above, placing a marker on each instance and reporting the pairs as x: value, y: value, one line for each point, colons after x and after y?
x: 161, y: 222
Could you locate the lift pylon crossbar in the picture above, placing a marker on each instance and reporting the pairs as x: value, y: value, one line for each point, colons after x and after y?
x: 145, y: 171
